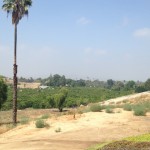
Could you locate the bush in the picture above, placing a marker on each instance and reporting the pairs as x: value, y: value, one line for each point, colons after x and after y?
x: 86, y: 110
x: 109, y: 110
x: 96, y: 108
x: 139, y: 110
x: 40, y: 123
x: 24, y: 120
x: 127, y: 107
x: 46, y: 116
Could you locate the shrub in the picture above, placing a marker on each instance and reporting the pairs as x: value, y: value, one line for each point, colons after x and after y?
x: 109, y: 110
x: 127, y: 107
x: 24, y: 120
x: 96, y: 108
x: 40, y: 123
x: 139, y: 110
x: 46, y: 116
x: 146, y: 105
x: 125, y: 101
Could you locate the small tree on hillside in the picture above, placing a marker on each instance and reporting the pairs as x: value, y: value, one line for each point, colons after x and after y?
x: 60, y: 99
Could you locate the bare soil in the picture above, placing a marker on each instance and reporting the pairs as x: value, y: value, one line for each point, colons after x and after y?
x: 76, y: 134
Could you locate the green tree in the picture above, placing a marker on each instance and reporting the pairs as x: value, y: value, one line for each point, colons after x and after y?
x: 118, y: 85
x: 130, y: 85
x: 60, y: 99
x: 110, y: 83
x: 140, y: 89
x: 3, y: 92
x: 18, y: 9
x: 147, y: 84
x: 51, y: 101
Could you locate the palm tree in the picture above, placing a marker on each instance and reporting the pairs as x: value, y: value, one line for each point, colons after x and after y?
x: 18, y: 9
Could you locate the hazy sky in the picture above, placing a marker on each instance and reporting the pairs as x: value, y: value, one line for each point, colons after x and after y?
x: 99, y: 39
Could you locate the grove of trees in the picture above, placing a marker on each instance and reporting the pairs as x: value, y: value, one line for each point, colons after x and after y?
x: 64, y: 92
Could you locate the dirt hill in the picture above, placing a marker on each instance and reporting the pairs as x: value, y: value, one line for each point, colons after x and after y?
x: 78, y: 134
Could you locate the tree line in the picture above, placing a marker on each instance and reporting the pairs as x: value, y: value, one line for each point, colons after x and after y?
x: 70, y: 96
x: 57, y: 80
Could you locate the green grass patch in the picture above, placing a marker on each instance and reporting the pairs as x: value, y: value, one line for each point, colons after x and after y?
x: 97, y: 146
x: 40, y: 123
x: 96, y: 108
x: 109, y: 110
x: 127, y: 107
x: 139, y: 110
x: 24, y: 120
x: 45, y: 116
x: 131, y: 143
x: 140, y: 138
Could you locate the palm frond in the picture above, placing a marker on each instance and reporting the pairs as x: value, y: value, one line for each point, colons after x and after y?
x: 18, y: 9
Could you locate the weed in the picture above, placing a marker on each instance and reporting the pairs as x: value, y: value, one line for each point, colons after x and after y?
x: 24, y: 120
x: 125, y: 101
x: 127, y: 107
x: 139, y: 110
x: 40, y: 123
x: 86, y: 110
x: 109, y: 110
x: 45, y: 116
x: 96, y: 108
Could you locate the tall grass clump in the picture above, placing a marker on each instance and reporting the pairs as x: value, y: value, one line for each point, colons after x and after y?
x: 40, y: 123
x: 45, y: 116
x: 127, y: 107
x: 24, y: 120
x: 109, y: 110
x: 96, y: 108
x: 139, y: 110
x: 146, y: 105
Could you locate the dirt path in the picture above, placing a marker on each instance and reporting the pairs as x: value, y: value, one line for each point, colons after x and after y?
x: 86, y: 130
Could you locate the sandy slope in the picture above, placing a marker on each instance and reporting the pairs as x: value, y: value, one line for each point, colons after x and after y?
x: 133, y: 98
x: 86, y: 130
x: 78, y: 134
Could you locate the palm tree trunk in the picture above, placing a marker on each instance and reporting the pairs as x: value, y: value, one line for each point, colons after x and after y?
x: 15, y: 78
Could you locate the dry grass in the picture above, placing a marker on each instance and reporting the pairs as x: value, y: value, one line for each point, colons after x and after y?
x: 31, y: 114
x: 6, y: 116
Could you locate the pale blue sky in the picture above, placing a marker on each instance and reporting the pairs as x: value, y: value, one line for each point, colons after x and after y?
x: 99, y: 39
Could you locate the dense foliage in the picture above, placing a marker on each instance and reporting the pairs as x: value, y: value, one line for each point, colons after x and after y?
x: 3, y: 92
x: 78, y: 92
x: 48, y: 98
